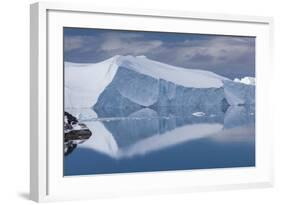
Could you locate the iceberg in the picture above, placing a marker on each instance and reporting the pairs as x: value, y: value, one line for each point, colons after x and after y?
x: 134, y: 83
x: 135, y: 105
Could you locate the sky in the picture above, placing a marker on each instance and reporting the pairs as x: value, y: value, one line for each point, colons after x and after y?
x: 230, y: 56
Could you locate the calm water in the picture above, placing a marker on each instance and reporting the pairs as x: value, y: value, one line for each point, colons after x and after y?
x: 161, y: 140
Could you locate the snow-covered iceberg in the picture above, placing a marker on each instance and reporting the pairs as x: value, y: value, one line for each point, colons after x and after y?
x: 134, y: 105
x: 134, y: 83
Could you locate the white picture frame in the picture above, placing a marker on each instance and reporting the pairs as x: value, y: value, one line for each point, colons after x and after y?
x: 47, y: 182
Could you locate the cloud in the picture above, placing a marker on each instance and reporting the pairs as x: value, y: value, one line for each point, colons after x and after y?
x: 81, y: 44
x: 72, y: 43
x: 100, y: 47
x: 229, y: 56
x: 128, y: 44
x: 214, y: 51
x: 221, y: 54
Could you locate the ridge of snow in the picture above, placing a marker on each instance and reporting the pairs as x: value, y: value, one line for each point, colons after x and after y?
x: 181, y: 76
x: 85, y: 82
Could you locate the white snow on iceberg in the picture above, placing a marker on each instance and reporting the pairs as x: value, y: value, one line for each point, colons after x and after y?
x: 84, y: 83
x: 246, y: 80
x: 136, y: 82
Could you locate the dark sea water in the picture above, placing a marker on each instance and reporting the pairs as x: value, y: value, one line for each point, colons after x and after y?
x: 149, y: 140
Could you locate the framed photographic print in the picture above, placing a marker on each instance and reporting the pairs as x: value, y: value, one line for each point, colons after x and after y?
x: 127, y: 102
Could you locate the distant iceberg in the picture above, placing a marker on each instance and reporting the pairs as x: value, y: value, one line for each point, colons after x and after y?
x: 246, y: 80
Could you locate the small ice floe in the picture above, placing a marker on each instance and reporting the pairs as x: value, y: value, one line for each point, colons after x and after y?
x: 198, y: 114
x: 212, y: 115
x: 252, y: 113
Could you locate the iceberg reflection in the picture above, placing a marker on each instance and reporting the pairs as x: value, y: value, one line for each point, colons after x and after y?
x: 147, y: 130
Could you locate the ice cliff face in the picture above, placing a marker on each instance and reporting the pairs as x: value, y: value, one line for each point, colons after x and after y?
x: 130, y: 83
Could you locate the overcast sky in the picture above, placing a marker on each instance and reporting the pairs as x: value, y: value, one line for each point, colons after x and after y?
x: 230, y: 56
